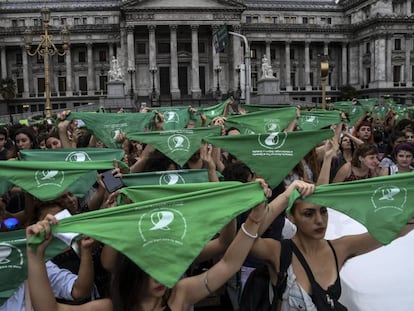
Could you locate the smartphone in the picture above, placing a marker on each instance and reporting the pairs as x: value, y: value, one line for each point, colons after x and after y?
x: 111, y: 182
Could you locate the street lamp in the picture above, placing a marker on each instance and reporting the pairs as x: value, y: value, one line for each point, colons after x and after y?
x: 217, y: 70
x: 239, y: 91
x: 153, y: 70
x: 131, y: 71
x: 45, y: 49
x: 324, y: 76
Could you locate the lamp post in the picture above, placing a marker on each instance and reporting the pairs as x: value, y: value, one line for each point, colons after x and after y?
x: 324, y: 76
x: 45, y: 49
x: 131, y: 71
x: 217, y: 70
x: 153, y: 70
x: 239, y: 91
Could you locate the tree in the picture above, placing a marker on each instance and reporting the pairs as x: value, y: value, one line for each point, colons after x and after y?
x: 347, y: 92
x: 8, y: 91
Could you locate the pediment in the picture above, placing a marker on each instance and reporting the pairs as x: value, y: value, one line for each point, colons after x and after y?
x: 181, y: 5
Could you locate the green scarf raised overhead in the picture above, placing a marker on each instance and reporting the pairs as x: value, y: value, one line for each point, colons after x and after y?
x: 47, y: 180
x: 354, y: 111
x: 163, y: 236
x: 175, y: 118
x: 178, y: 145
x: 106, y: 126
x: 317, y: 119
x: 382, y: 204
x: 187, y: 176
x: 214, y: 111
x: 273, y: 120
x: 84, y: 183
x: 273, y: 155
x: 13, y: 262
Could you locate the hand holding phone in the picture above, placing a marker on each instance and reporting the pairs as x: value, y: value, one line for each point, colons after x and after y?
x: 111, y: 182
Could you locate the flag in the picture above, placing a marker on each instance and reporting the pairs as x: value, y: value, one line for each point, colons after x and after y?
x: 47, y: 180
x: 273, y: 155
x: 382, y: 204
x: 85, y: 181
x: 106, y: 126
x: 178, y: 145
x: 186, y: 176
x: 175, y: 118
x: 317, y: 119
x: 274, y: 120
x: 13, y: 260
x: 163, y: 236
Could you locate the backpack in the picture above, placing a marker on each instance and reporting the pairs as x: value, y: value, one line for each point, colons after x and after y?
x: 259, y: 294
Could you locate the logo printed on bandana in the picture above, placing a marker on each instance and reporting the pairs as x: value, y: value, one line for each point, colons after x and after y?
x: 171, y: 179
x: 49, y: 178
x: 389, y: 197
x: 171, y: 117
x: 162, y: 225
x: 272, y: 126
x: 314, y: 120
x: 77, y: 156
x: 272, y: 140
x: 115, y: 133
x: 11, y: 257
x: 178, y: 142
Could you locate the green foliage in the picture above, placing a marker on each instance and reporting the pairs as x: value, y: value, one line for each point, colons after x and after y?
x: 7, y: 88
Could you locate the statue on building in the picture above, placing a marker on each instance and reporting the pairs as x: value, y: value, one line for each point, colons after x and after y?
x: 115, y: 73
x: 267, y: 71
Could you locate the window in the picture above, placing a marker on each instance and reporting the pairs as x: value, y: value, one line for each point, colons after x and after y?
x: 397, y: 44
x: 248, y: 19
x: 36, y: 22
x: 368, y: 74
x: 61, y: 59
x: 62, y: 85
x: 102, y: 83
x: 292, y: 53
x: 397, y: 73
x: 182, y: 46
x: 293, y: 78
x: 368, y: 47
x: 76, y: 21
x: 310, y: 54
x: 255, y: 19
x: 19, y: 85
x: 55, y: 21
x: 84, y: 20
x: 39, y: 59
x: 311, y: 20
x: 164, y: 48
x: 40, y: 86
x: 14, y: 23
x: 83, y: 84
x: 253, y: 54
x: 63, y: 21
x: 98, y: 20
x: 201, y: 48
x: 275, y: 20
x: 82, y: 57
x: 105, y: 20
x: 326, y: 20
x: 311, y: 78
x: 272, y: 54
x: 102, y: 56
x: 141, y: 48
x: 305, y: 20
x: 19, y: 59
x: 268, y: 19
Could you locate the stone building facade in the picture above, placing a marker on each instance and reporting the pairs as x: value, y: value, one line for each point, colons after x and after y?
x: 166, y: 49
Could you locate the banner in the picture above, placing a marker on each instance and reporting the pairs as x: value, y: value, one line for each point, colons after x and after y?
x: 382, y: 204
x: 274, y: 120
x: 178, y: 145
x: 273, y: 155
x: 163, y: 236
x: 106, y: 126
x: 47, y: 180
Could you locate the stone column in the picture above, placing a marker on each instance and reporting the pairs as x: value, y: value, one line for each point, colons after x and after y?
x: 379, y: 65
x: 308, y: 86
x: 195, y: 74
x: 409, y: 7
x: 237, y: 56
x: 26, y: 88
x: 361, y: 79
x: 353, y: 63
x: 68, y: 62
x: 112, y: 47
x: 268, y: 42
x: 216, y: 60
x: 372, y: 63
x: 287, y: 70
x: 130, y: 54
x: 326, y: 52
x: 3, y: 62
x: 344, y: 63
x: 175, y: 91
x: 152, y: 56
x: 389, y: 73
x: 408, y: 66
x: 91, y: 70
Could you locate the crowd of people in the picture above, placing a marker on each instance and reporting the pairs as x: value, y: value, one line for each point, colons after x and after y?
x: 98, y: 277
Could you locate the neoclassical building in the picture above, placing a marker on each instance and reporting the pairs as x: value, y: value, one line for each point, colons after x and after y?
x: 166, y: 49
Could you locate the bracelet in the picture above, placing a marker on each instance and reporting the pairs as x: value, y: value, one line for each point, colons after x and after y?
x: 248, y: 233
x: 206, y: 283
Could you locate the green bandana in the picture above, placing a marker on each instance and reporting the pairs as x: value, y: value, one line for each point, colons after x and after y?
x: 48, y: 180
x: 271, y: 156
x: 175, y: 118
x: 382, y: 204
x: 178, y: 145
x: 154, y: 233
x: 274, y: 120
x: 13, y: 260
x: 317, y: 119
x: 354, y: 111
x: 106, y: 126
x: 166, y: 177
x: 213, y: 111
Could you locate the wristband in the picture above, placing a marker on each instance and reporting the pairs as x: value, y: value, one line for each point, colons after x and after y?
x: 248, y: 233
